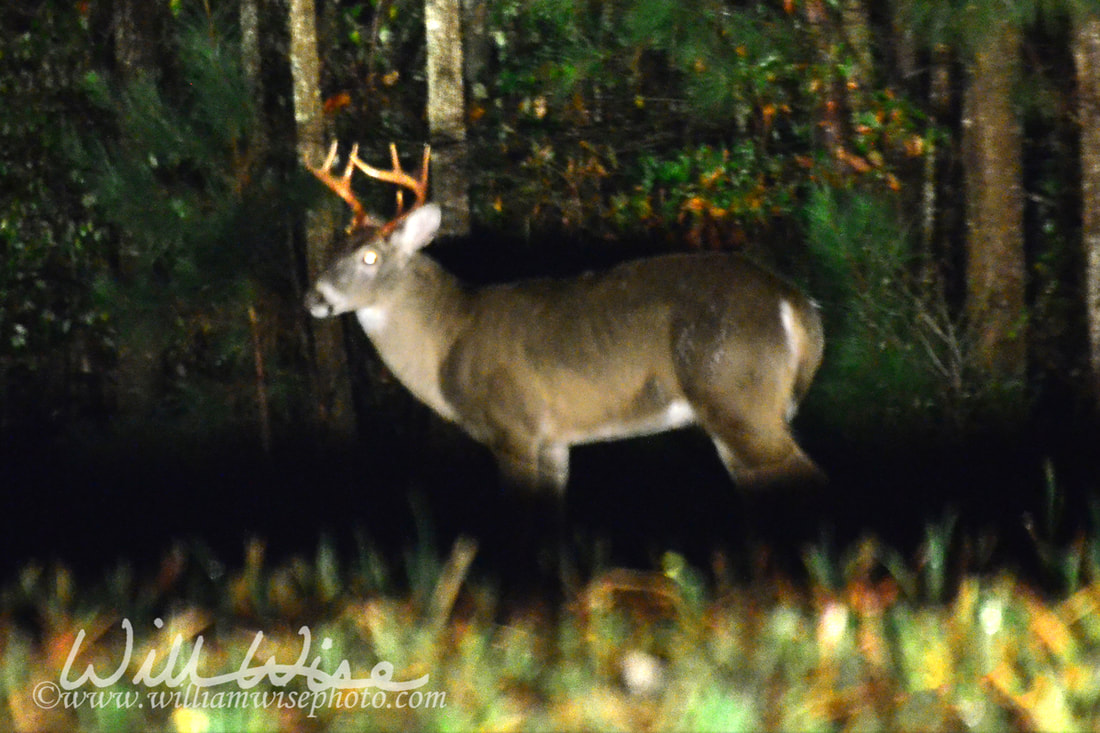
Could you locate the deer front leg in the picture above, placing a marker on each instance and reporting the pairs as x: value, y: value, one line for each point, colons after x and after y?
x: 534, y: 477
x: 533, y: 466
x: 505, y: 414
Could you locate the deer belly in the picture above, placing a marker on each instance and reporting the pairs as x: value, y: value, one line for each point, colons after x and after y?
x: 634, y: 402
x: 633, y: 423
x: 674, y: 415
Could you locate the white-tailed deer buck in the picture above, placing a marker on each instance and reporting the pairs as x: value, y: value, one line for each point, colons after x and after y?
x: 533, y: 367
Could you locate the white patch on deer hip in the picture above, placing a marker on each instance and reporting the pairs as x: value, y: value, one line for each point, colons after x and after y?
x: 794, y: 347
x: 786, y: 317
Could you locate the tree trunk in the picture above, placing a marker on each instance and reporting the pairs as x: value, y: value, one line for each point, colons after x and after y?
x: 136, y: 31
x: 447, y: 113
x: 251, y: 61
x: 904, y: 42
x: 477, y: 46
x: 939, y: 212
x: 142, y: 342
x: 829, y: 125
x: 1086, y: 55
x: 331, y: 384
x: 995, y: 270
x: 856, y: 27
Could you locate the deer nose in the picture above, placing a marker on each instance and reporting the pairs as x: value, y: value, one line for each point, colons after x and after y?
x: 317, y: 304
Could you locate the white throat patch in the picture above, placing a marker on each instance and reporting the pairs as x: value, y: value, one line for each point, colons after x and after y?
x: 371, y: 319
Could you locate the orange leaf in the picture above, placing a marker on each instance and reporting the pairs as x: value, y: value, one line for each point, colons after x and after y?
x: 337, y: 102
x: 855, y: 162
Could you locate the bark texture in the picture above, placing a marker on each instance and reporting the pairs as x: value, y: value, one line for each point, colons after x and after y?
x: 447, y: 113
x: 332, y: 386
x: 1086, y: 55
x: 252, y: 62
x: 136, y: 30
x: 135, y: 26
x: 995, y: 270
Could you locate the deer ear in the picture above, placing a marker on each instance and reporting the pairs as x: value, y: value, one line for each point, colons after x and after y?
x: 418, y: 229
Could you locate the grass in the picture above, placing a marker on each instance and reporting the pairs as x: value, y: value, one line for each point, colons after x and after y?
x: 868, y: 640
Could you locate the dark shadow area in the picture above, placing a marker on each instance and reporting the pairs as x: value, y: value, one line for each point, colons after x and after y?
x: 627, y: 503
x: 411, y: 480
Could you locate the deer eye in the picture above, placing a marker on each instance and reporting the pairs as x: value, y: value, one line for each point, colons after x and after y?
x: 370, y: 257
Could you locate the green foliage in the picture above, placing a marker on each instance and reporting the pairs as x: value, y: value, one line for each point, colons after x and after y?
x: 181, y: 175
x: 694, y: 122
x: 967, y: 24
x: 1068, y: 555
x: 373, y: 77
x: 710, y: 196
x: 634, y: 649
x: 728, y: 62
x: 52, y: 338
x: 177, y: 176
x: 549, y: 41
x: 891, y: 357
x: 898, y: 360
x: 732, y: 62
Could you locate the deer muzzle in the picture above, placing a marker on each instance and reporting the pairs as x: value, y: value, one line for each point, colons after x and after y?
x: 318, y: 305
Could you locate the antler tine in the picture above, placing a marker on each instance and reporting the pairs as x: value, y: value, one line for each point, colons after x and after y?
x: 418, y: 185
x: 422, y: 183
x: 341, y: 185
x: 396, y: 162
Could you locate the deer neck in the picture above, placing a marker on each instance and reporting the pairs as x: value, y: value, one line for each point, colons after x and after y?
x: 414, y: 327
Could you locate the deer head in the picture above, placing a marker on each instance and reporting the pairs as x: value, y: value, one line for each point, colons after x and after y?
x: 379, y: 248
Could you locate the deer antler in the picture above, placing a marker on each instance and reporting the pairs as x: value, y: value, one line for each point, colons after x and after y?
x: 418, y: 185
x: 341, y: 185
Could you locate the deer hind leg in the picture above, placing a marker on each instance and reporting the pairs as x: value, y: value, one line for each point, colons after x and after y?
x: 750, y: 431
x: 762, y: 457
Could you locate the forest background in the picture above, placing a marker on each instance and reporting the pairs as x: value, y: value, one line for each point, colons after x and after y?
x: 179, y: 442
x: 930, y: 172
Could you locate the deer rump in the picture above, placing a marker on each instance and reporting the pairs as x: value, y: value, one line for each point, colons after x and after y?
x: 651, y: 345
